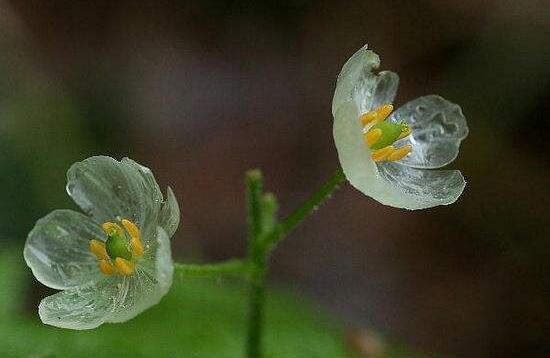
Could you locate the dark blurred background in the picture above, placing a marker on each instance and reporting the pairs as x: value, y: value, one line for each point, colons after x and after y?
x: 200, y: 91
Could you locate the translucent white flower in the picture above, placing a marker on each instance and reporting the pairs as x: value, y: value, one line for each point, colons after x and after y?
x: 114, y: 262
x: 391, y: 157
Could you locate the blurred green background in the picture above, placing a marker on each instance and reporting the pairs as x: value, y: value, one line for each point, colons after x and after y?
x: 200, y: 91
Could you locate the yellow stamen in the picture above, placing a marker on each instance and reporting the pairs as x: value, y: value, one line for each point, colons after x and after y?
x: 382, y: 154
x: 131, y: 228
x: 136, y: 246
x: 135, y: 242
x: 106, y: 267
x: 112, y: 228
x: 98, y: 249
x: 372, y: 136
x: 405, y: 133
x: 399, y: 153
x: 377, y: 115
x: 124, y: 267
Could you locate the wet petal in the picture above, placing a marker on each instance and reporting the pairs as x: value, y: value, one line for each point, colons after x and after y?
x: 438, y: 126
x: 389, y: 183
x: 385, y: 89
x: 420, y: 188
x: 57, y: 250
x: 149, y: 283
x: 111, y: 190
x: 169, y: 217
x: 84, y: 307
x: 358, y: 83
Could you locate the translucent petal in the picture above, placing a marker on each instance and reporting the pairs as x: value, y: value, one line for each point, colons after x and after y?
x: 84, y: 307
x: 394, y: 185
x: 358, y: 83
x: 150, y: 282
x: 353, y: 153
x: 438, y: 126
x: 422, y: 188
x: 385, y: 90
x: 114, y: 299
x: 169, y: 217
x: 57, y: 250
x: 110, y: 190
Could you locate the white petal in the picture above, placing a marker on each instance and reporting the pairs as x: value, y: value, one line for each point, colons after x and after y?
x: 353, y: 153
x: 169, y: 217
x: 110, y: 190
x: 57, y: 250
x: 438, y: 126
x: 421, y: 188
x: 150, y: 282
x: 395, y: 185
x: 355, y: 156
x: 385, y: 89
x: 84, y: 307
x: 114, y: 299
x: 358, y: 83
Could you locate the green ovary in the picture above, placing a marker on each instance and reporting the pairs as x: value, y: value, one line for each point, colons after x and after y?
x: 117, y: 246
x: 390, y: 133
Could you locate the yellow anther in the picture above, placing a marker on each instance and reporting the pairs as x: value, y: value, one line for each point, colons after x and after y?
x: 399, y: 153
x: 98, y: 249
x: 136, y: 246
x: 112, y: 228
x: 106, y: 267
x: 405, y: 132
x: 131, y: 228
x: 135, y: 242
x: 377, y: 115
x: 372, y: 136
x: 124, y: 267
x: 382, y: 154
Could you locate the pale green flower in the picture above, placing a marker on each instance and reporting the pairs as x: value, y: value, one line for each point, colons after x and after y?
x: 392, y: 160
x: 114, y: 262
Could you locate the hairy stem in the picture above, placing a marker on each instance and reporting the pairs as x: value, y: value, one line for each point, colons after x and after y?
x: 296, y: 217
x: 260, y: 206
x: 225, y: 268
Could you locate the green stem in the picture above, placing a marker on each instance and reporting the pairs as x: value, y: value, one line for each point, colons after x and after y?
x: 256, y: 315
x: 225, y: 268
x: 257, y: 216
x: 289, y: 223
x: 264, y: 233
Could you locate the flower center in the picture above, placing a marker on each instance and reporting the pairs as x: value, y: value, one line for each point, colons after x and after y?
x: 380, y: 135
x: 117, y: 255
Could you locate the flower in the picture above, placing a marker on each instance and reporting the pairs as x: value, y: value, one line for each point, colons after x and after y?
x: 114, y: 262
x: 390, y: 157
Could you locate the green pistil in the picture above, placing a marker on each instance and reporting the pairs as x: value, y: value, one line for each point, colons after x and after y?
x: 390, y: 133
x: 117, y: 246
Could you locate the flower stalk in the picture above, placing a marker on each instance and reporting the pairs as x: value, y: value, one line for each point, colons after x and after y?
x: 240, y: 268
x: 265, y: 232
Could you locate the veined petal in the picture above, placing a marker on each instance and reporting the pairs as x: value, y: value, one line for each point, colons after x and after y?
x: 358, y: 83
x: 169, y: 217
x: 57, y: 250
x: 389, y: 183
x: 149, y: 283
x: 387, y: 83
x: 421, y: 188
x: 84, y: 307
x: 438, y: 126
x: 117, y: 298
x: 111, y: 190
